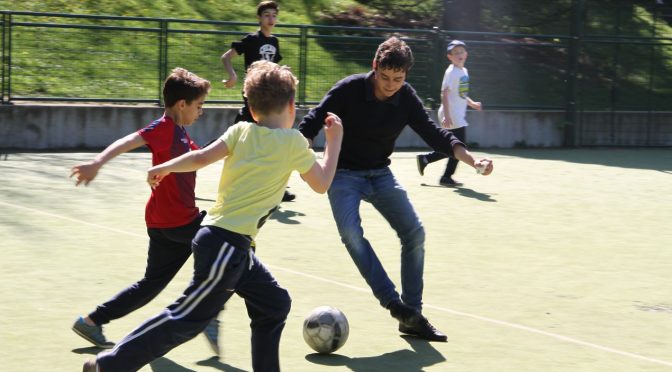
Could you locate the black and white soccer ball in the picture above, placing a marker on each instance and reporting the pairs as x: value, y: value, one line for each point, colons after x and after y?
x: 325, y: 329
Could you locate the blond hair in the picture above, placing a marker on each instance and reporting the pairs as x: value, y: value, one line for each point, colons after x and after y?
x: 269, y: 87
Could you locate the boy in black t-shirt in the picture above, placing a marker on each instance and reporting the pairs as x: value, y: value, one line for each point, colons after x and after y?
x: 260, y: 45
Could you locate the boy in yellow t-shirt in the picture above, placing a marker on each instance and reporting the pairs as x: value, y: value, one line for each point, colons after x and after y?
x: 256, y: 154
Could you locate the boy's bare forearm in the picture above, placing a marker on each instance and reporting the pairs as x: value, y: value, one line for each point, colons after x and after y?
x: 226, y: 60
x: 195, y: 160
x: 118, y: 147
x: 330, y: 162
x: 320, y: 176
x: 446, y: 104
x: 473, y: 104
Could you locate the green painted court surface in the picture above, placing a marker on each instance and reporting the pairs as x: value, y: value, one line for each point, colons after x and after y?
x: 561, y: 260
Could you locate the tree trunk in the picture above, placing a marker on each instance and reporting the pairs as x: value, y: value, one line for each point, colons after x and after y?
x: 462, y: 15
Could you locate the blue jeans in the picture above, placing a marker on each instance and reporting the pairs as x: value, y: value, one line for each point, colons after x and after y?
x: 381, y: 189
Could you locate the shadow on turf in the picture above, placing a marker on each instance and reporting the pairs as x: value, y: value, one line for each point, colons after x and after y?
x: 164, y: 364
x: 469, y: 193
x: 286, y: 216
x: 423, y: 355
x: 214, y: 362
x: 466, y: 192
x: 631, y: 157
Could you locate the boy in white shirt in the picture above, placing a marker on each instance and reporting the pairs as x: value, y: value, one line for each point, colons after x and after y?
x: 453, y: 110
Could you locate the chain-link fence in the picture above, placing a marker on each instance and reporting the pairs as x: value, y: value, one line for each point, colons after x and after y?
x: 61, y: 57
x: 65, y: 57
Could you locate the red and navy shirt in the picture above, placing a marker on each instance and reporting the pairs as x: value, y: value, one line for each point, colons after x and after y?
x: 173, y: 203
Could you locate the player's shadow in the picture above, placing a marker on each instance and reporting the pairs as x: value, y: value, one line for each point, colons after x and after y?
x: 214, y: 362
x: 286, y: 216
x: 423, y: 355
x: 470, y: 193
x: 161, y: 364
x: 466, y: 192
x: 91, y: 350
x: 164, y: 364
x: 650, y: 158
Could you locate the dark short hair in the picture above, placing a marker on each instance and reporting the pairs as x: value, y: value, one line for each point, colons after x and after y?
x: 182, y: 84
x: 267, y: 5
x: 394, y: 54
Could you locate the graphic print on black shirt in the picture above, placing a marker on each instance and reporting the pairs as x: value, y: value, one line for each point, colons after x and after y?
x: 256, y: 47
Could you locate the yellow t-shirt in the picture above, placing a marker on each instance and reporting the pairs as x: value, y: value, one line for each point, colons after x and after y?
x: 255, y: 174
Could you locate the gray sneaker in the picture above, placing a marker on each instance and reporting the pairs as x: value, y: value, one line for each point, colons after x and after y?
x: 93, y: 334
x: 90, y: 366
x: 211, y: 333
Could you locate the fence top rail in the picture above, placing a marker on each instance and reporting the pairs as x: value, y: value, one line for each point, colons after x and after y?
x: 325, y: 27
x: 625, y: 38
x: 282, y: 25
x: 510, y: 34
x: 89, y: 27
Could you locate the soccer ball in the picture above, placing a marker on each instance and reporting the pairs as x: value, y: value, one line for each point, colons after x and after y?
x: 325, y: 329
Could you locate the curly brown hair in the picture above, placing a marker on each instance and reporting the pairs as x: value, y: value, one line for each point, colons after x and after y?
x: 394, y: 54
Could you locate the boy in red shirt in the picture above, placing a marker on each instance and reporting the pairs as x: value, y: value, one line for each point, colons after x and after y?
x: 171, y: 214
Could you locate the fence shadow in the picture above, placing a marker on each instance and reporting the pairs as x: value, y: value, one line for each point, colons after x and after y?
x: 635, y: 158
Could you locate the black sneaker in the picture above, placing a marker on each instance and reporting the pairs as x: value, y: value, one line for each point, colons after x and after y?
x: 423, y: 329
x: 449, y: 182
x: 421, y: 162
x: 288, y: 196
x: 403, y: 313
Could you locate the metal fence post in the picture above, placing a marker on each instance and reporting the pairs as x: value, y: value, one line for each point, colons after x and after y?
x: 436, y: 78
x: 4, y: 59
x: 303, y: 64
x: 163, y: 58
x: 571, y: 124
x: 652, y: 72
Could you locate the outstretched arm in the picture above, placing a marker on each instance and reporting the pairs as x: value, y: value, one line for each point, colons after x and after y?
x: 228, y: 66
x: 86, y: 172
x: 188, y: 162
x: 474, y: 105
x: 483, y: 166
x: 319, y: 177
x: 447, y: 121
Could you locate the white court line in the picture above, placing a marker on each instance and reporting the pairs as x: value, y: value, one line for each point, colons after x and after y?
x: 366, y: 290
x: 58, y: 216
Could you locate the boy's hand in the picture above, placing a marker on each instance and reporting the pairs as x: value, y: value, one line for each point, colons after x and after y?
x: 477, y: 106
x: 333, y: 127
x: 231, y: 82
x: 155, y: 175
x: 484, y: 166
x: 85, y: 172
x: 447, y: 122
